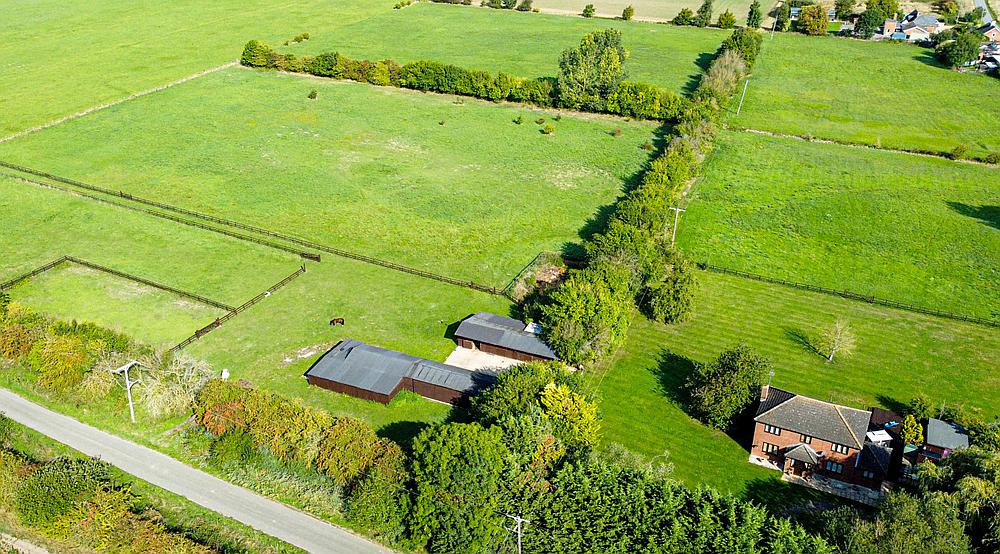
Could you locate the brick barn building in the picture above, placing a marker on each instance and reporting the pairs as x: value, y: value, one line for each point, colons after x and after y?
x: 373, y: 373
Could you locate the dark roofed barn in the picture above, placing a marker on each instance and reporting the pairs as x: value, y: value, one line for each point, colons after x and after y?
x: 373, y: 373
x: 502, y: 336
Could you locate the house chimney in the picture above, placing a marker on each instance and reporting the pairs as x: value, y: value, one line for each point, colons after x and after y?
x: 763, y: 392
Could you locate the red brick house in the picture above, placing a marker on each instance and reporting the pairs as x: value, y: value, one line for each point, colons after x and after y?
x: 803, y: 436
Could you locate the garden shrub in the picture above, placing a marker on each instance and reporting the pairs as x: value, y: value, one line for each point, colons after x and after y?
x: 347, y: 449
x: 60, y: 361
x: 234, y: 446
x: 53, y: 490
x: 256, y: 54
x: 15, y: 341
x: 379, y: 502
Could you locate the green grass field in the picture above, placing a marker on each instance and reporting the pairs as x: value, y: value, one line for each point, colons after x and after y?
x: 366, y: 169
x: 61, y: 57
x: 647, y: 9
x: 898, y: 356
x: 891, y: 95
x: 522, y: 44
x: 152, y: 316
x: 913, y: 229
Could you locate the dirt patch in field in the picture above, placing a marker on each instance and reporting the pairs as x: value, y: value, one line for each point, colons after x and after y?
x: 303, y: 353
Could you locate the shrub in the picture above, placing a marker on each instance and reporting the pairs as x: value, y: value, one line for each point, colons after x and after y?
x: 643, y: 101
x: 98, y: 339
x: 670, y: 291
x: 704, y: 16
x: 746, y: 42
x: 13, y: 469
x: 813, y: 20
x: 548, y: 129
x: 783, y: 18
x: 217, y: 392
x: 224, y: 418
x: 379, y: 502
x: 96, y: 384
x: 524, y: 6
x: 755, y: 16
x: 290, y: 430
x: 52, y: 490
x: 256, y: 54
x: 15, y: 341
x: 722, y: 79
x: 325, y: 65
x: 171, y: 383
x: 347, y: 449
x: 960, y: 152
x: 519, y: 120
x: 683, y: 17
x: 4, y: 302
x: 992, y: 158
x: 571, y: 412
x: 540, y: 120
x: 312, y: 94
x: 588, y: 11
x: 628, y: 13
x: 726, y: 20
x: 233, y: 447
x: 60, y: 361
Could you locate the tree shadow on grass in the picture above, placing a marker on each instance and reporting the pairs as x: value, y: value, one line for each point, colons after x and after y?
x: 927, y: 57
x: 672, y: 374
x: 402, y: 432
x: 892, y: 404
x: 704, y: 60
x: 789, y: 500
x: 989, y: 215
x: 801, y: 338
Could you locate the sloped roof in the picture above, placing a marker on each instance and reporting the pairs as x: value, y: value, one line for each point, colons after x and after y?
x: 946, y: 435
x: 504, y: 332
x: 985, y: 28
x: 808, y: 416
x: 803, y: 453
x: 875, y: 458
x: 379, y: 370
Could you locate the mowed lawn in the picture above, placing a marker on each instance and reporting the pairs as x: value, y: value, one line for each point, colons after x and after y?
x: 271, y: 344
x: 443, y: 184
x: 521, y: 44
x: 59, y: 57
x: 913, y: 229
x: 890, y: 95
x: 898, y: 355
x: 152, y: 316
x: 647, y: 9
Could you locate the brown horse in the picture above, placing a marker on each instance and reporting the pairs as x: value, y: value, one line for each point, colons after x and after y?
x: 337, y: 321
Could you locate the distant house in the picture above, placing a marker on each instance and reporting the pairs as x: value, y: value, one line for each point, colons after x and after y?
x: 503, y: 336
x: 806, y: 437
x: 943, y: 438
x: 919, y: 26
x: 991, y: 31
x: 373, y: 373
x: 889, y: 27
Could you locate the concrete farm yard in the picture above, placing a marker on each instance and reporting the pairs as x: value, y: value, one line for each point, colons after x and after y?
x: 473, y: 190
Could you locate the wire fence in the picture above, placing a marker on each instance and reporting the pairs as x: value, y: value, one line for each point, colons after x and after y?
x: 233, y: 312
x: 103, y: 269
x: 258, y: 230
x: 852, y: 296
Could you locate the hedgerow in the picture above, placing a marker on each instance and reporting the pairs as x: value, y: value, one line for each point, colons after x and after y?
x: 628, y: 99
x: 52, y: 491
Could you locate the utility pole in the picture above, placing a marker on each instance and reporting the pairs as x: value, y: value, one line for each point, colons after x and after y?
x: 677, y: 214
x: 129, y: 383
x: 517, y: 528
x: 740, y: 107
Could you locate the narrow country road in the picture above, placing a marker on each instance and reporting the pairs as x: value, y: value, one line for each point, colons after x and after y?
x: 263, y: 514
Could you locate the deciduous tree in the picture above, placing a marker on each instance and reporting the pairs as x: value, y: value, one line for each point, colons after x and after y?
x: 813, y: 20
x: 838, y: 339
x: 590, y: 72
x: 911, y: 432
x: 724, y: 387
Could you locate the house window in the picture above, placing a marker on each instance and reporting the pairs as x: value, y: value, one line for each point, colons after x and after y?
x: 841, y: 449
x: 868, y: 474
x: 769, y: 448
x: 835, y: 467
x: 772, y: 430
x: 805, y: 439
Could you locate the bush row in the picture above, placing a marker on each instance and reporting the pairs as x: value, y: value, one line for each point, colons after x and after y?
x: 629, y: 99
x: 344, y: 449
x: 76, y: 501
x: 632, y: 262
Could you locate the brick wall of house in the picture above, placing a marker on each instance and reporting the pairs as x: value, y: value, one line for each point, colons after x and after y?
x: 824, y: 448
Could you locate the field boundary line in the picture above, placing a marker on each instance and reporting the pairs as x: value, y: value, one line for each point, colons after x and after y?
x: 232, y: 234
x: 128, y: 276
x: 252, y: 228
x: 861, y: 145
x: 851, y: 295
x: 233, y: 312
x: 113, y: 103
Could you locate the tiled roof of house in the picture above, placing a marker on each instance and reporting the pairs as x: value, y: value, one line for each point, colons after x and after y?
x: 808, y: 416
x: 946, y: 435
x: 504, y: 332
x: 875, y: 458
x: 803, y: 453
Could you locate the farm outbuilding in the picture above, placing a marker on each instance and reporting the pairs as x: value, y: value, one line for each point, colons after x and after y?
x: 502, y: 336
x: 373, y: 373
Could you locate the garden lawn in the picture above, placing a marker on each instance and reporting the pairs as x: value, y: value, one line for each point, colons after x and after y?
x: 889, y: 95
x: 898, y: 355
x: 60, y: 57
x: 521, y: 44
x: 912, y: 229
x: 450, y: 186
x: 664, y: 10
x: 150, y: 315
